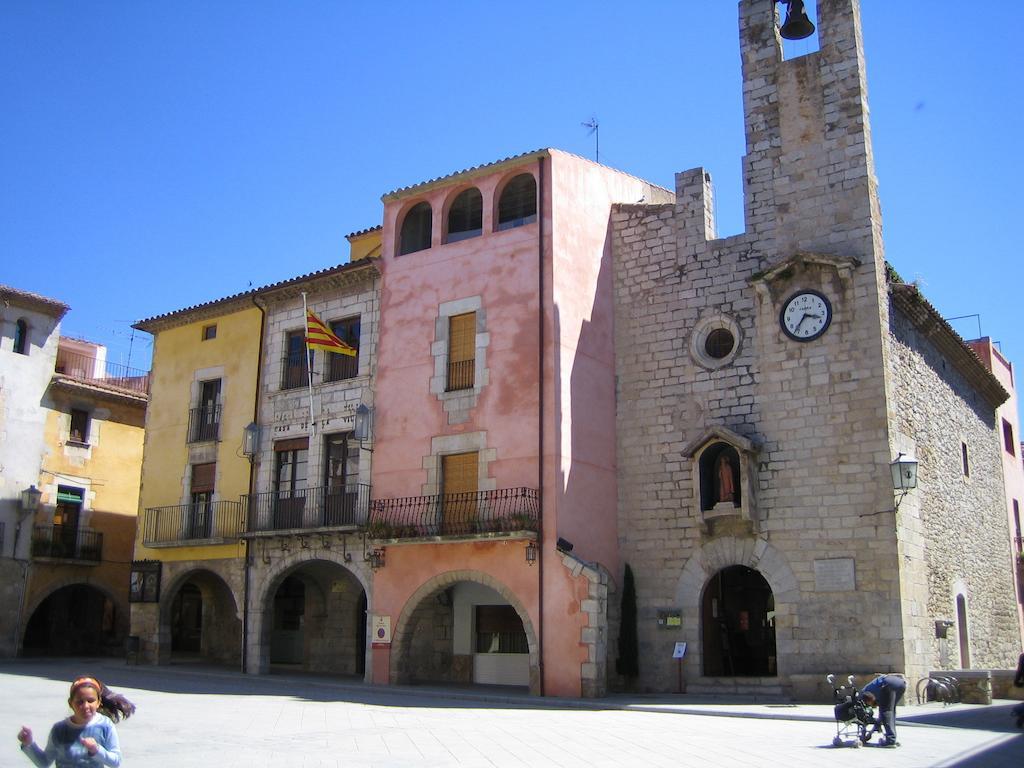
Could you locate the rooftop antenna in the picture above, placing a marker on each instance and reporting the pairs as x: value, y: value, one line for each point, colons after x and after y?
x: 595, y: 130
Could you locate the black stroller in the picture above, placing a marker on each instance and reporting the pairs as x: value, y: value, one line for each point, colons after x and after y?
x: 855, y: 719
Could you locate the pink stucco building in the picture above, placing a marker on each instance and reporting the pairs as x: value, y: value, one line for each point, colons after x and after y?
x: 495, y: 381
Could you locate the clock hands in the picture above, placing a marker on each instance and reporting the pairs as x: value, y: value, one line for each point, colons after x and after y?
x: 805, y: 316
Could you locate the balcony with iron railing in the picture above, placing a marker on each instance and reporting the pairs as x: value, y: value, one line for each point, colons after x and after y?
x: 204, y: 423
x: 210, y: 522
x: 308, y: 508
x: 61, y: 542
x: 503, y: 511
x: 461, y: 374
x: 89, y: 369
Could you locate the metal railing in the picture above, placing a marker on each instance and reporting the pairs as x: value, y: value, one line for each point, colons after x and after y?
x: 88, y: 368
x: 341, y: 367
x: 63, y: 542
x: 204, y: 423
x: 209, y: 520
x: 460, y: 375
x: 507, y: 510
x: 294, y: 372
x: 306, y: 508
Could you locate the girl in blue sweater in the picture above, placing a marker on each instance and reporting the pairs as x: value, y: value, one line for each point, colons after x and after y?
x: 88, y: 737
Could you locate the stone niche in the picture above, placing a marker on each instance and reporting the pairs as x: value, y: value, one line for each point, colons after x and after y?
x: 724, y: 464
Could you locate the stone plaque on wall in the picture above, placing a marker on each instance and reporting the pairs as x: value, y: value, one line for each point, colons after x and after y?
x: 834, y: 575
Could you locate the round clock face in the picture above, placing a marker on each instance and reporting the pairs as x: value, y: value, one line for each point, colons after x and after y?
x: 805, y: 315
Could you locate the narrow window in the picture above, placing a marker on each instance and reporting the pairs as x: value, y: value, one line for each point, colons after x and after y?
x: 198, y: 521
x: 458, y: 492
x: 1016, y: 526
x: 963, y: 457
x: 209, y: 332
x: 1008, y: 438
x: 204, y: 420
x: 466, y: 216
x: 518, y: 203
x: 79, y: 427
x: 461, y: 351
x: 295, y: 361
x: 290, y: 489
x: 344, y: 366
x: 21, y: 337
x: 341, y: 479
x: 65, y: 538
x: 416, y: 229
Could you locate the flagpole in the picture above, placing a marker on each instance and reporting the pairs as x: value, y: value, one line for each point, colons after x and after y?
x: 309, y: 364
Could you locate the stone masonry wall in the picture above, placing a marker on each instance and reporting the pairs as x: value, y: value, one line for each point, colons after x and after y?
x: 815, y: 411
x: 949, y: 523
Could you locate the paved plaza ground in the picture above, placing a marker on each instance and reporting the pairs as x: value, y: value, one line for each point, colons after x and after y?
x: 201, y: 716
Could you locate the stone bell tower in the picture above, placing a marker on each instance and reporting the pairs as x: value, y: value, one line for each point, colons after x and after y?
x: 767, y: 347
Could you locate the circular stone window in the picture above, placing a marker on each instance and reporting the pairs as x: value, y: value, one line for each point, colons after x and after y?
x: 715, y: 341
x: 719, y: 343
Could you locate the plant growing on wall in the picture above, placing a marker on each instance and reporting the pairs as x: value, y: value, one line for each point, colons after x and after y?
x: 628, y: 662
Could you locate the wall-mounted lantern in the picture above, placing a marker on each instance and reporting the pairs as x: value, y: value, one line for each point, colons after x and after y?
x: 251, y: 440
x: 375, y: 558
x: 904, y: 476
x: 363, y: 429
x: 531, y: 552
x: 30, y: 498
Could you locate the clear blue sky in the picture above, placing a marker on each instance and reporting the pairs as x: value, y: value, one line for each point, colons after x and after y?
x: 157, y: 154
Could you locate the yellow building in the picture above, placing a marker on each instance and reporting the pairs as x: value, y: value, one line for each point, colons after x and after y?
x: 191, y: 577
x: 84, y: 525
x: 194, y: 475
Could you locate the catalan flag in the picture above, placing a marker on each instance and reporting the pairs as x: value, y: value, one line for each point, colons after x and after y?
x: 319, y: 336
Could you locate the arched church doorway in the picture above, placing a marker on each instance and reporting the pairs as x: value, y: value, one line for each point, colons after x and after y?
x: 76, y: 620
x: 738, y: 624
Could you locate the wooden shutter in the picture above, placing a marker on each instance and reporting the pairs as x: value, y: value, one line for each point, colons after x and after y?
x: 459, y: 486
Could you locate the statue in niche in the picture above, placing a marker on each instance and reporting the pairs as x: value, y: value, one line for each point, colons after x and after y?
x: 725, y: 481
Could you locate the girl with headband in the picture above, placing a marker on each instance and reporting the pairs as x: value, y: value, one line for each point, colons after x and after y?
x: 87, y: 737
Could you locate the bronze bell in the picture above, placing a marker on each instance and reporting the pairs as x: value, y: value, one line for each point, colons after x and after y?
x: 797, y: 26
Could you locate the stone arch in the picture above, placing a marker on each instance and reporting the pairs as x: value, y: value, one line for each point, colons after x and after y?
x: 401, y: 635
x: 103, y: 642
x: 219, y: 611
x: 268, y: 579
x: 755, y: 553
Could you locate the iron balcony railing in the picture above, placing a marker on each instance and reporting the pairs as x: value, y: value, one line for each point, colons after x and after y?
x: 294, y: 372
x: 63, y: 542
x: 205, y: 520
x: 90, y: 369
x: 204, y: 423
x: 508, y: 510
x: 460, y: 375
x: 306, y: 508
x: 341, y: 367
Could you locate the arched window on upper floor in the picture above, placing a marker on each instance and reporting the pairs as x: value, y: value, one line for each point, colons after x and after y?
x: 518, y: 203
x: 466, y: 216
x: 416, y: 229
x: 21, y: 337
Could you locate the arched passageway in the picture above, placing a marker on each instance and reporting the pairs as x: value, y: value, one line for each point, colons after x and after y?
x: 738, y: 624
x: 463, y: 632
x: 75, y: 620
x: 201, y: 619
x: 315, y: 620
